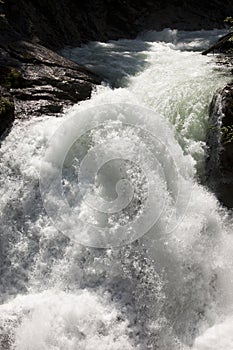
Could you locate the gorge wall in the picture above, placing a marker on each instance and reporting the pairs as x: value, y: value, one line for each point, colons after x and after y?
x: 69, y: 22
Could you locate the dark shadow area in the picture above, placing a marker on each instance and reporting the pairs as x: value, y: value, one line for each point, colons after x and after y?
x: 71, y: 22
x: 219, y: 141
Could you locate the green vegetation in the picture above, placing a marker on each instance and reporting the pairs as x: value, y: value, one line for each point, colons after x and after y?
x: 227, y: 134
x: 13, y: 78
x: 10, y: 77
x: 5, y: 105
x: 229, y: 21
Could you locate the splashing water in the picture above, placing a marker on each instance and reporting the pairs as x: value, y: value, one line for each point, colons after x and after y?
x: 165, y: 283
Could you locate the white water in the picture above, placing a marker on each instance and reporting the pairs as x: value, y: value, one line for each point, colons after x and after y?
x: 171, y: 289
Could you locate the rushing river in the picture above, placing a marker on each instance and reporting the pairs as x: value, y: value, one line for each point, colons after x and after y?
x: 148, y: 266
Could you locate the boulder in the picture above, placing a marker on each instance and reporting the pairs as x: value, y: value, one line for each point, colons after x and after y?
x: 220, y: 146
x: 34, y: 79
x: 40, y: 81
x: 224, y: 45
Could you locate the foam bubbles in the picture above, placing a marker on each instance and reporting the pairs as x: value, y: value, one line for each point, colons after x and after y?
x: 162, y: 291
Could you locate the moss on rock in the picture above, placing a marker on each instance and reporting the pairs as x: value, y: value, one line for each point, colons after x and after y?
x: 10, y: 77
x: 6, y: 113
x: 5, y: 104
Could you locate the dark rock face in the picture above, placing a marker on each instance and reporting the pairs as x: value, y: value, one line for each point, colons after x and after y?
x: 6, y: 110
x: 40, y: 80
x: 223, y: 45
x: 220, y: 142
x: 71, y: 22
x: 35, y: 80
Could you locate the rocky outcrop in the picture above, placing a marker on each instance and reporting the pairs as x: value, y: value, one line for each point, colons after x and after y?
x: 220, y: 146
x: 42, y: 81
x: 70, y: 22
x: 35, y: 80
x: 224, y: 44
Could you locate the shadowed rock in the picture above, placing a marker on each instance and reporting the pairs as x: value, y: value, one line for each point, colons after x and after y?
x: 35, y: 80
x: 40, y: 81
x: 69, y: 22
x: 220, y: 146
x: 223, y: 44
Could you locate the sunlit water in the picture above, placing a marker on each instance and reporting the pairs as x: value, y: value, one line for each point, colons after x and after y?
x: 170, y: 289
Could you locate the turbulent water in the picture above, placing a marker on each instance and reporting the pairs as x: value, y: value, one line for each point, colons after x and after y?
x: 108, y: 265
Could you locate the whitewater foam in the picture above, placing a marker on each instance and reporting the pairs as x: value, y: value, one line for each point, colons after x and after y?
x: 162, y: 291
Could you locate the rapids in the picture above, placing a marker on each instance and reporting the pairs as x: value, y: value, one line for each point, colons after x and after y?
x: 139, y: 256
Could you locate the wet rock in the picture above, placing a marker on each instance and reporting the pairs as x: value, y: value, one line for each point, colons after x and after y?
x: 220, y: 146
x: 223, y: 45
x: 40, y: 81
x: 34, y: 79
x: 6, y: 110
